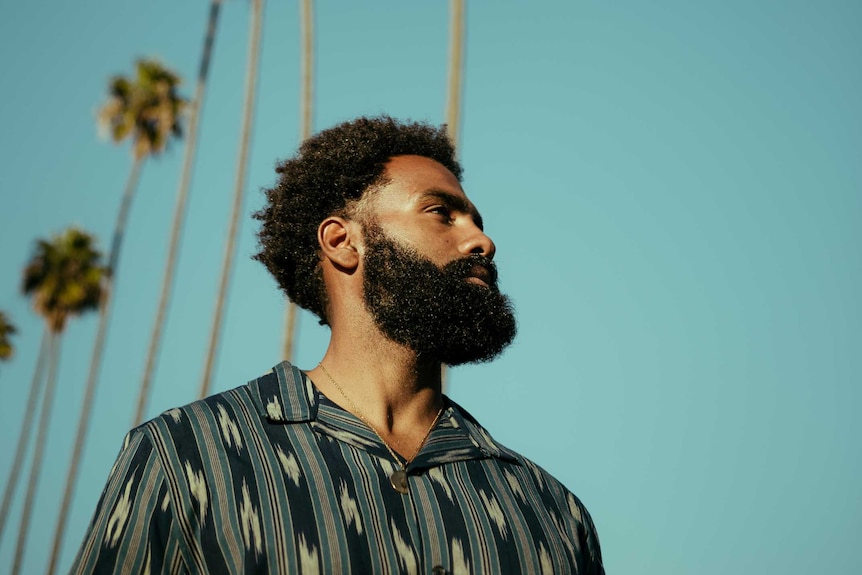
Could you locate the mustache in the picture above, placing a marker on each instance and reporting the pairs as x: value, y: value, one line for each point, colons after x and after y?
x: 463, y: 268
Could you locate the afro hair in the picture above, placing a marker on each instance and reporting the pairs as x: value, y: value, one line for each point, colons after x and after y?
x: 329, y: 173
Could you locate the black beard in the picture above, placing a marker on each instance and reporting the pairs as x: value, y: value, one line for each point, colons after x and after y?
x: 435, y: 311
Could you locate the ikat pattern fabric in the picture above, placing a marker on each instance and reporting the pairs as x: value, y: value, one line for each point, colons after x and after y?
x: 272, y: 477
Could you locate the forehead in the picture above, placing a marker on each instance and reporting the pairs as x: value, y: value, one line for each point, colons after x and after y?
x: 409, y: 178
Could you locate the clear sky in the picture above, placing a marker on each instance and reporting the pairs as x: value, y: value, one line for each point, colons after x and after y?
x: 675, y: 192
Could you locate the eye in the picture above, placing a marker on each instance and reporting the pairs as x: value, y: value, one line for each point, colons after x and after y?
x: 443, y: 211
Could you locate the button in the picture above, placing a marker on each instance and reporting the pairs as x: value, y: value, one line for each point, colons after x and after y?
x: 399, y: 482
x: 438, y: 570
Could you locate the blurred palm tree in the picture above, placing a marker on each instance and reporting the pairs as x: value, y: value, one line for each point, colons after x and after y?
x: 7, y: 350
x: 179, y: 212
x: 147, y: 110
x: 64, y: 278
x: 239, y: 190
x: 23, y: 437
x: 305, y: 109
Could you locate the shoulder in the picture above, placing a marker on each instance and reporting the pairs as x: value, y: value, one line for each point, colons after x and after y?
x: 228, y: 430
x: 203, y: 414
x: 282, y: 395
x: 201, y: 434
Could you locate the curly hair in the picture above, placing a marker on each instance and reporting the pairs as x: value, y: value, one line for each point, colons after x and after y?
x: 329, y: 174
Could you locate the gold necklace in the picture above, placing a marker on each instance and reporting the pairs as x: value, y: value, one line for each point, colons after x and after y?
x: 398, y: 480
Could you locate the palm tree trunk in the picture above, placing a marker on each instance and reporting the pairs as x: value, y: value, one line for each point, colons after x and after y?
x: 123, y: 216
x: 98, y: 349
x: 80, y: 438
x: 289, y: 330
x: 92, y: 379
x: 24, y: 437
x: 242, y: 163
x: 456, y: 60
x: 110, y: 275
x: 454, y: 95
x: 179, y: 211
x: 41, y: 437
x: 307, y: 17
x: 307, y: 91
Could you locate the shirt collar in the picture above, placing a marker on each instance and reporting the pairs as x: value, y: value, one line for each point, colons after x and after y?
x: 287, y: 395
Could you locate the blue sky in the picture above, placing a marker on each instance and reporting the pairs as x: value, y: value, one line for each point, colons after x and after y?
x: 674, y: 191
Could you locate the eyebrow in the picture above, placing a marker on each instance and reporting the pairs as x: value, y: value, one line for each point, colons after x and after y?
x: 454, y: 202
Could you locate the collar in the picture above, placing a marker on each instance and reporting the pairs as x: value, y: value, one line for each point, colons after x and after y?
x: 286, y: 395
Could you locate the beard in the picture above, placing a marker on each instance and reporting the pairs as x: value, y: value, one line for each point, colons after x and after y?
x: 435, y: 311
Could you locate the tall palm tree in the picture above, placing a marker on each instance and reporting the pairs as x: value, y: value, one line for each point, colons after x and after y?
x: 147, y: 110
x: 305, y: 109
x: 179, y: 211
x: 64, y: 278
x: 6, y: 328
x: 7, y: 350
x: 24, y: 437
x: 239, y: 190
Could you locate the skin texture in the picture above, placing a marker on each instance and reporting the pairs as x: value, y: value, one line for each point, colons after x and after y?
x: 420, y: 205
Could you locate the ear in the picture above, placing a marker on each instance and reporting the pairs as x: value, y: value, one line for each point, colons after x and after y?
x: 337, y: 238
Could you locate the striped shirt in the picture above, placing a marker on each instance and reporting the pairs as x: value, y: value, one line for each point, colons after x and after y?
x: 273, y: 477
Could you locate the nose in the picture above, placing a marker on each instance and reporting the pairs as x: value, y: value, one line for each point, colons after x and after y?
x: 479, y: 243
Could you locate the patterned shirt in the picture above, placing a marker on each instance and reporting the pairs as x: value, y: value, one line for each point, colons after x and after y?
x: 273, y: 477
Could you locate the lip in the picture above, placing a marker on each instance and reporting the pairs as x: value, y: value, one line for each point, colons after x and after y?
x: 479, y: 275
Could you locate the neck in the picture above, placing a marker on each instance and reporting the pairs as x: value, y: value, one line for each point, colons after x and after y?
x: 391, y: 387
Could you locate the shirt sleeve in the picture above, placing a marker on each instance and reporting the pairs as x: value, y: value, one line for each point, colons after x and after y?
x: 592, y: 552
x: 133, y: 528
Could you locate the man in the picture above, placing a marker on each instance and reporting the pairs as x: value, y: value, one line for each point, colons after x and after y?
x: 359, y: 465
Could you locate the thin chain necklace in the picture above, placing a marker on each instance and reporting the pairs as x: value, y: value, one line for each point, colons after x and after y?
x: 399, y: 478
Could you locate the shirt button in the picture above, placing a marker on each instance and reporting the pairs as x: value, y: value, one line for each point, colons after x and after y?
x: 438, y: 570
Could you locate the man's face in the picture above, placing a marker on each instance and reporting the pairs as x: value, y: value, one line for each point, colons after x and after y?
x: 428, y: 278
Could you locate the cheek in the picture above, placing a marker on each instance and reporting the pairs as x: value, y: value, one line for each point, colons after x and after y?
x: 427, y: 237
x: 439, y: 251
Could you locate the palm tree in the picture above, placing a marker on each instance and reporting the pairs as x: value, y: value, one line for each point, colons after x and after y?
x: 6, y: 350
x: 147, y: 110
x: 307, y: 89
x: 179, y: 212
x: 6, y: 329
x: 23, y: 436
x: 239, y: 189
x: 64, y: 278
